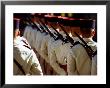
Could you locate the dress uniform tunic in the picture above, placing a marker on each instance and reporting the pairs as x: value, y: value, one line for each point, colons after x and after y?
x: 38, y: 41
x: 78, y: 62
x: 53, y: 58
x: 26, y: 58
x: 44, y: 54
x: 33, y: 37
x: 44, y: 47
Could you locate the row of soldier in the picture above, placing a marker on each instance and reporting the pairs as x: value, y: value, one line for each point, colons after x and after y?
x: 63, y: 45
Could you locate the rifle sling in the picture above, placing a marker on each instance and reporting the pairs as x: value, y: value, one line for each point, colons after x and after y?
x: 19, y: 66
x: 93, y: 54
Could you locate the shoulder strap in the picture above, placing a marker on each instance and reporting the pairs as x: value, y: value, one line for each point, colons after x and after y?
x: 27, y: 46
x: 19, y: 66
x: 90, y: 54
x: 75, y: 43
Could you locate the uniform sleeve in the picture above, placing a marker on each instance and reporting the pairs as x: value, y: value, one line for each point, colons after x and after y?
x: 40, y: 42
x: 94, y: 66
x: 37, y: 41
x: 32, y: 37
x: 23, y: 59
x: 44, y: 50
x: 35, y: 68
x: 28, y: 61
x: 71, y: 64
x: 25, y: 32
x: 35, y: 46
x: 55, y: 65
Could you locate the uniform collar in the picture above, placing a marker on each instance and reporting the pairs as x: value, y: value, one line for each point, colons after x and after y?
x: 75, y: 38
x: 88, y: 39
x: 17, y: 40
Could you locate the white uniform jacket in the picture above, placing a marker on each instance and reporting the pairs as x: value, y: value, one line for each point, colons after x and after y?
x: 54, y: 62
x: 44, y: 48
x: 78, y: 62
x: 26, y: 58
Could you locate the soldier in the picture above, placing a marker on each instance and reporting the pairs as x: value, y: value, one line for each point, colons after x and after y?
x: 28, y: 32
x: 44, y: 47
x: 57, y: 55
x: 38, y: 41
x: 31, y: 32
x: 65, y: 48
x: 47, y: 46
x: 81, y: 63
x: 25, y: 60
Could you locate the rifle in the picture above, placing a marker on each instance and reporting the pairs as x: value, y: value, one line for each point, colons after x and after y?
x: 43, y: 29
x: 51, y: 34
x: 33, y: 24
x: 58, y: 34
x: 68, y: 38
x: 88, y: 49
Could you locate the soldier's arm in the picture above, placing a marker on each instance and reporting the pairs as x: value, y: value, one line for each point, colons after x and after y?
x: 35, y: 65
x: 32, y: 38
x: 44, y: 52
x: 94, y: 66
x: 22, y: 58
x: 71, y: 64
x: 25, y: 32
x: 55, y: 65
x: 44, y: 49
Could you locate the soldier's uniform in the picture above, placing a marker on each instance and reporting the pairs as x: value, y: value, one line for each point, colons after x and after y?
x: 56, y: 62
x: 27, y: 32
x: 25, y: 56
x: 61, y: 52
x: 44, y: 53
x: 44, y: 47
x: 25, y: 60
x: 79, y: 62
x: 33, y: 37
x: 50, y: 48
